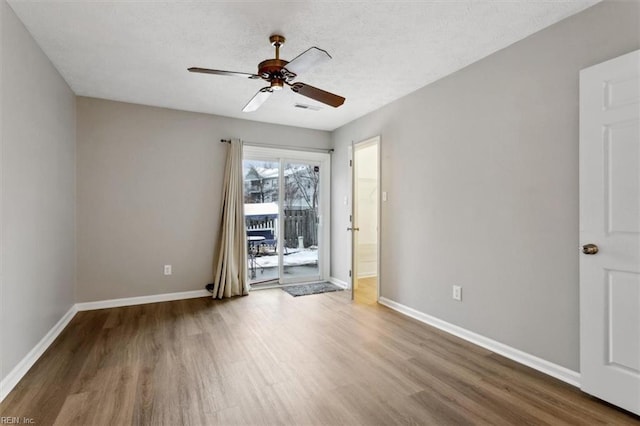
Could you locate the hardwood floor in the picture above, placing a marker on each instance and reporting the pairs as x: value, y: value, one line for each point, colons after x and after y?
x: 270, y: 358
x: 367, y: 291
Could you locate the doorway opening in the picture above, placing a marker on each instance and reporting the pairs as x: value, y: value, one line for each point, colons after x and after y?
x: 286, y: 216
x: 366, y: 221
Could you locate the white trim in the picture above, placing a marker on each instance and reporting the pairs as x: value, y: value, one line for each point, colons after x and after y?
x: 18, y: 372
x: 141, y: 300
x: 339, y: 283
x: 569, y: 376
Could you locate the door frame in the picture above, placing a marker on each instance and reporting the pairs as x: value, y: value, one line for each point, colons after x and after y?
x: 282, y: 156
x: 353, y: 273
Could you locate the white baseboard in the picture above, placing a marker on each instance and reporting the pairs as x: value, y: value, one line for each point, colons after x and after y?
x: 15, y: 375
x: 141, y: 300
x: 339, y: 283
x: 569, y: 376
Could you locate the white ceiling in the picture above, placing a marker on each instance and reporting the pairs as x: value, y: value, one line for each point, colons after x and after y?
x: 138, y: 51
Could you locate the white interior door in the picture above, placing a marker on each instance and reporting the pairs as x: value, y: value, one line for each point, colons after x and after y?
x: 610, y: 222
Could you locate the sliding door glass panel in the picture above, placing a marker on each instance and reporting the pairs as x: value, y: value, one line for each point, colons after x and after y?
x: 301, y: 196
x: 261, y: 212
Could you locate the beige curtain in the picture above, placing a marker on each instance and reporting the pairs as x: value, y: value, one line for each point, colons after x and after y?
x: 231, y: 270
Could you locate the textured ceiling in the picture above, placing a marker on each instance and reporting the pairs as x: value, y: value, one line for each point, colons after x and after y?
x: 139, y: 51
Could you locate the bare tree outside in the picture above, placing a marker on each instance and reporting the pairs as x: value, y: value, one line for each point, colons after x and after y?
x: 301, y: 199
x: 302, y: 184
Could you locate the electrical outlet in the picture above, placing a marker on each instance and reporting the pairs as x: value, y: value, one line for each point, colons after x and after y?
x: 167, y: 269
x: 457, y: 293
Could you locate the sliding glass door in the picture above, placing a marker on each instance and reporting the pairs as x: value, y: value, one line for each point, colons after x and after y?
x: 286, y: 196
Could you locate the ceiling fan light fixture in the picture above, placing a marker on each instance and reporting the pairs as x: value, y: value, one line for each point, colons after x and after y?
x: 277, y: 84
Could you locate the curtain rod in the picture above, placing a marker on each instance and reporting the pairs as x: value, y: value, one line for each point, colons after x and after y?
x: 296, y: 148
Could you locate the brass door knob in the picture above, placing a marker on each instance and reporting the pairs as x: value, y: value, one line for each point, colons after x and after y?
x: 589, y: 249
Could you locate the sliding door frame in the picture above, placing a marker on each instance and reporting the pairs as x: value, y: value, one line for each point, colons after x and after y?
x: 284, y: 156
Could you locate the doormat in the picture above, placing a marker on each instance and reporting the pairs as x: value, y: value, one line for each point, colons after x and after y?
x: 307, y: 289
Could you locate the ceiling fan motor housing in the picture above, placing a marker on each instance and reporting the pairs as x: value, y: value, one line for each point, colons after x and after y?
x: 273, y: 70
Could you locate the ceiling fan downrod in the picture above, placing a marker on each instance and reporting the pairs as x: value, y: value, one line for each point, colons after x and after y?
x: 277, y: 41
x: 272, y: 69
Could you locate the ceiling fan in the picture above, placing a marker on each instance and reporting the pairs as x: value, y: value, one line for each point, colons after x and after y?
x: 279, y: 72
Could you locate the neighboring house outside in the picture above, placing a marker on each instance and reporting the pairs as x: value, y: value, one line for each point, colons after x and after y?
x: 260, y: 185
x: 300, y: 185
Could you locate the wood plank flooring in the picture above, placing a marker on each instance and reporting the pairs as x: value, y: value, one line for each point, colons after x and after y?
x: 272, y: 359
x: 367, y: 291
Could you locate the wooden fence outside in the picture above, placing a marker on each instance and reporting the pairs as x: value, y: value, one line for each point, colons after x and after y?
x: 300, y: 223
x: 297, y: 223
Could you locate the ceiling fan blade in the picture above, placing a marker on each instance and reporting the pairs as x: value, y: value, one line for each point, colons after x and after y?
x: 307, y: 60
x: 220, y: 72
x: 260, y: 98
x: 318, y: 94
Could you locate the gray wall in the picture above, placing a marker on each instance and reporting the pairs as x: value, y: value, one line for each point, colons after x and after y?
x: 149, y: 190
x: 481, y: 169
x: 38, y: 194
